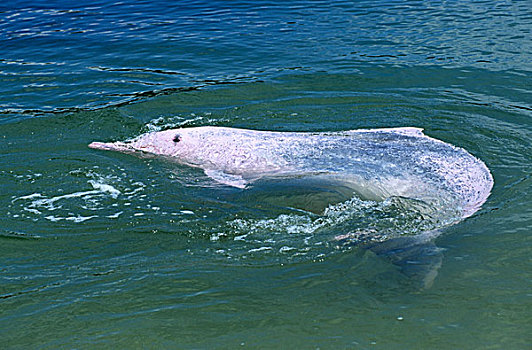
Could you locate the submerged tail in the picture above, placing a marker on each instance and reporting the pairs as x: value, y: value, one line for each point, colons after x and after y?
x: 417, y: 259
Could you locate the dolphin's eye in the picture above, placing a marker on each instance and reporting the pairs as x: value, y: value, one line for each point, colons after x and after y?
x: 177, y: 138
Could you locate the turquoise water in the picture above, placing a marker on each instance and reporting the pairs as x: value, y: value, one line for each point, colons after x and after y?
x: 103, y: 250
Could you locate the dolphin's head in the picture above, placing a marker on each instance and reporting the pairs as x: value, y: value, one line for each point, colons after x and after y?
x: 171, y: 143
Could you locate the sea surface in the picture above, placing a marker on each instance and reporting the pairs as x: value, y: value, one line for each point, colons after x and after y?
x: 101, y: 250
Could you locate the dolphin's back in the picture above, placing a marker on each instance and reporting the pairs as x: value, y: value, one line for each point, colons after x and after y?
x: 401, y: 162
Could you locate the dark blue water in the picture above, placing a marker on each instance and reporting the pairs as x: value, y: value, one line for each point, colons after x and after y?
x: 111, y: 251
x: 59, y: 55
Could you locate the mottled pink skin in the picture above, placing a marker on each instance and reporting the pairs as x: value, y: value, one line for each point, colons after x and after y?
x: 240, y: 156
x: 160, y: 143
x: 234, y: 151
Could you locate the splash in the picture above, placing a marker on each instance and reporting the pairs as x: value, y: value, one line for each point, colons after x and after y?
x: 75, y: 207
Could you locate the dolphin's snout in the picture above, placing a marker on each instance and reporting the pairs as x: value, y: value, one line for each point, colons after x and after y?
x: 111, y: 146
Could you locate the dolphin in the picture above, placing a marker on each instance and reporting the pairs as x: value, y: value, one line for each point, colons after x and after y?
x: 400, y: 164
x: 375, y: 163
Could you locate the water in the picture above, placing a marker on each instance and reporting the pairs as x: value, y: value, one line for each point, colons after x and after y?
x: 103, y: 250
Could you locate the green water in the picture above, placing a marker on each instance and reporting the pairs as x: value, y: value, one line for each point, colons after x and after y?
x: 105, y: 250
x: 150, y: 267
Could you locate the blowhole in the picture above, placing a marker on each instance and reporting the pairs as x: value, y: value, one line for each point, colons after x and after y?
x: 177, y: 138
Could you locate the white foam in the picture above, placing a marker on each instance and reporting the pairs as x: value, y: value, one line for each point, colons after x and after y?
x: 53, y: 218
x: 32, y: 210
x: 30, y: 196
x: 261, y: 249
x: 80, y: 218
x: 48, y: 203
x: 68, y: 203
x: 285, y: 249
x: 102, y: 187
x: 216, y: 236
x: 76, y: 219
